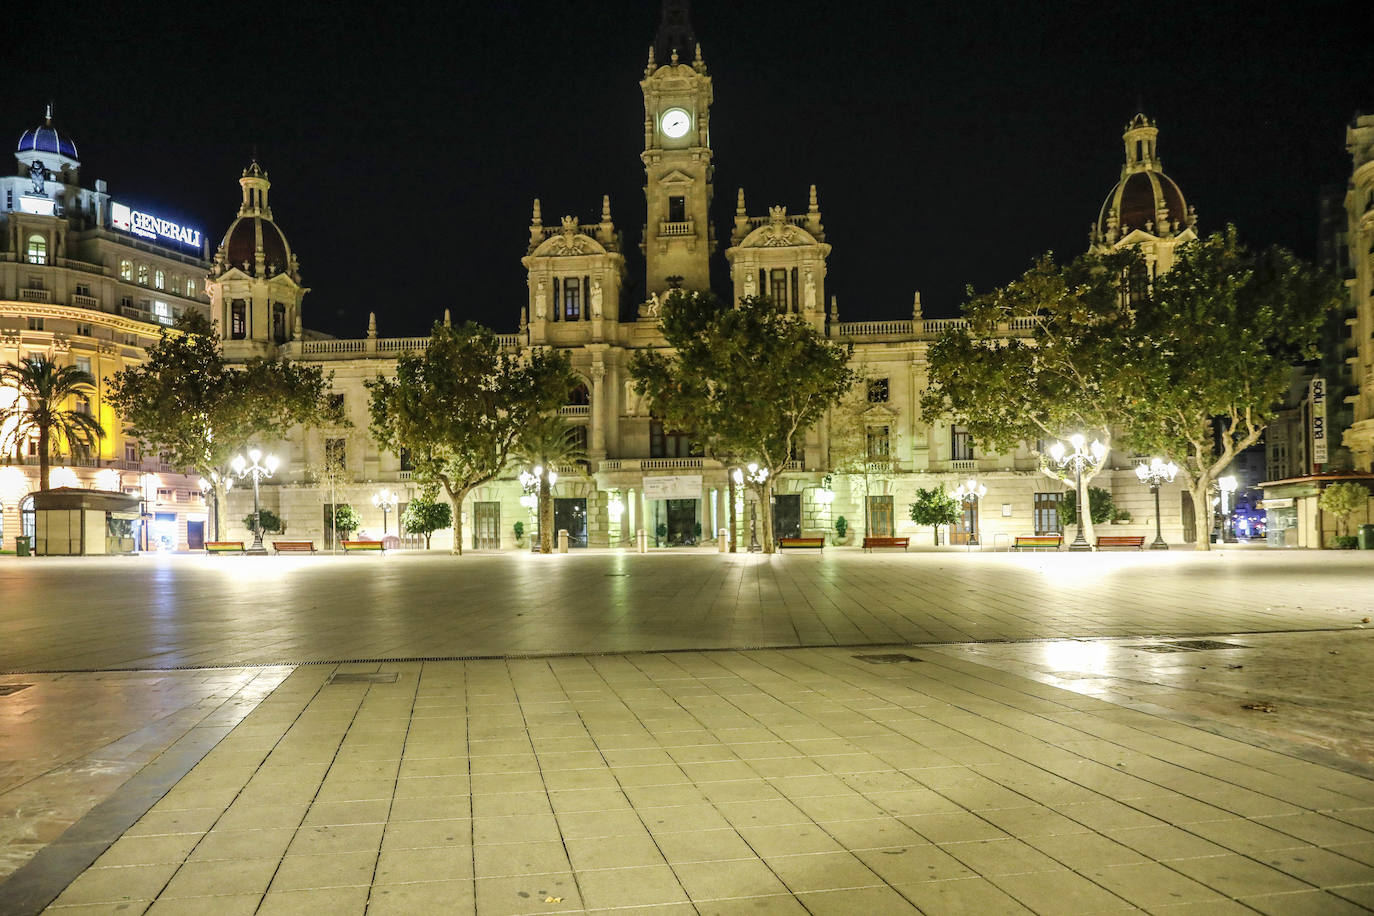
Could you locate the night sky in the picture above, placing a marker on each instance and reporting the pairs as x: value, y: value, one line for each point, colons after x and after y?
x: 951, y: 142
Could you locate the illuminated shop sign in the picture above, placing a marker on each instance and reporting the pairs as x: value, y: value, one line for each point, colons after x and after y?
x: 146, y: 225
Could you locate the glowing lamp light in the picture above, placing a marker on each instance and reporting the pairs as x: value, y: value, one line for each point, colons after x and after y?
x: 272, y: 463
x: 615, y: 508
x: 108, y: 480
x: 738, y: 476
x: 1057, y: 450
x: 238, y: 464
x: 529, y: 501
x: 13, y: 485
x: 63, y: 477
x: 255, y: 455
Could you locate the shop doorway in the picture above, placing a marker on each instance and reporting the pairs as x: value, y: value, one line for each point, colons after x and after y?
x: 570, y: 514
x: 682, y: 522
x: 963, y: 531
x: 195, y: 535
x: 486, y: 526
x: 787, y: 516
x: 880, y: 516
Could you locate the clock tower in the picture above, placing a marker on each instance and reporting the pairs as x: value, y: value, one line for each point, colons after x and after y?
x: 678, y: 236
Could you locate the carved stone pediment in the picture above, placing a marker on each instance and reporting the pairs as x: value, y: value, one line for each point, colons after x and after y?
x: 677, y: 176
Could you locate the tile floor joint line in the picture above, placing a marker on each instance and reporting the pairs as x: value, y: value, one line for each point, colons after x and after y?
x: 39, y: 881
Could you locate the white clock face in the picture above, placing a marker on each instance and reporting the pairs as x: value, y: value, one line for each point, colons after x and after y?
x: 675, y: 122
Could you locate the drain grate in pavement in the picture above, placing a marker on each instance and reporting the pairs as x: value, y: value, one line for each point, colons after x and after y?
x: 7, y: 689
x: 350, y: 677
x: 887, y: 658
x: 1204, y: 645
x: 1161, y: 649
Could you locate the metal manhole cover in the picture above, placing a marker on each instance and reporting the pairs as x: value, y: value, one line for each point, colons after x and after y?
x: 1203, y: 645
x: 890, y: 658
x: 7, y: 689
x: 349, y: 677
x: 1161, y: 648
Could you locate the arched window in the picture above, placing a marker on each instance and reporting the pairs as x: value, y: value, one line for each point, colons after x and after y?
x: 278, y: 322
x: 126, y: 269
x: 143, y: 274
x: 176, y: 284
x: 190, y: 289
x: 238, y: 319
x: 579, y: 395
x: 28, y: 525
x: 159, y: 280
x: 38, y: 249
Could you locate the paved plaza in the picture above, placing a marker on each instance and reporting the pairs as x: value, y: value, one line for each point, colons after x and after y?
x: 937, y: 732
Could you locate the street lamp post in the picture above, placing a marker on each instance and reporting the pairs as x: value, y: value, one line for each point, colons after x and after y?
x: 756, y: 476
x: 1079, y: 459
x: 207, y: 487
x: 256, y: 467
x: 1228, y: 485
x: 1154, y: 475
x: 386, y: 501
x: 971, y: 491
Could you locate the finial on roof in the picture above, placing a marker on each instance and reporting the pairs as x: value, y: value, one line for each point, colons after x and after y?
x: 916, y: 306
x: 448, y: 320
x: 739, y: 203
x: 371, y: 324
x: 605, y: 208
x: 47, y: 115
x: 673, y: 58
x: 536, y: 218
x: 812, y: 203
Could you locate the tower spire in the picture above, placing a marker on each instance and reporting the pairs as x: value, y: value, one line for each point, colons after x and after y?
x: 675, y: 32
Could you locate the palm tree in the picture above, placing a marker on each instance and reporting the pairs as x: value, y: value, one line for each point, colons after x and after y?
x: 548, y: 442
x: 43, y: 388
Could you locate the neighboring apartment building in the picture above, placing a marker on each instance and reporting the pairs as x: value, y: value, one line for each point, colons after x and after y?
x: 89, y: 281
x: 640, y: 474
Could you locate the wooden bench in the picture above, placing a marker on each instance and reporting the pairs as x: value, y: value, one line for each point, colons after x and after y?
x: 802, y: 543
x: 213, y: 547
x: 1037, y: 542
x: 349, y: 546
x: 293, y: 546
x: 871, y: 543
x: 1121, y: 540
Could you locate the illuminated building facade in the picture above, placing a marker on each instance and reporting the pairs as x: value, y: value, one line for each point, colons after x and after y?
x: 641, y: 475
x: 89, y: 280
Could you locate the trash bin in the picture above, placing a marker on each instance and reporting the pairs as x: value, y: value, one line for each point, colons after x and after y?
x: 21, y: 544
x: 1366, y: 537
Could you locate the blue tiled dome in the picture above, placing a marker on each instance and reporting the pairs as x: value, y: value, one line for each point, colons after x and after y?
x: 45, y: 139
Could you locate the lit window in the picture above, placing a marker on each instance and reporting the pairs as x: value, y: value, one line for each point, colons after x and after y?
x: 238, y: 320
x: 777, y: 287
x: 159, y: 280
x: 143, y: 274
x: 84, y: 364
x: 162, y: 312
x: 38, y: 249
x: 960, y: 444
x: 572, y: 299
x: 130, y: 451
x: 176, y: 284
x: 126, y: 270
x: 190, y: 288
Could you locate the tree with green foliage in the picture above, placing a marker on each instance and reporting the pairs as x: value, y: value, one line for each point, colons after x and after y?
x: 41, y: 389
x: 548, y: 443
x: 1343, y: 500
x: 1101, y: 507
x: 426, y: 515
x: 749, y: 379
x: 271, y: 522
x: 935, y: 507
x: 346, y: 520
x: 461, y: 405
x: 1051, y: 379
x: 187, y: 403
x: 1207, y: 362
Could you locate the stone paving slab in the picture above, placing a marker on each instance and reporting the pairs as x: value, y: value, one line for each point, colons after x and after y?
x: 163, y: 611
x: 761, y: 781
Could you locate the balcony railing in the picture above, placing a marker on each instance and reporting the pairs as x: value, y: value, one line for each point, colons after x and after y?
x: 873, y: 328
x: 575, y: 410
x: 85, y: 302
x: 678, y: 228
x: 35, y: 295
x: 963, y: 464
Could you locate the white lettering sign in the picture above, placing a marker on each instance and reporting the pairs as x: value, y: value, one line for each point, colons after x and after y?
x: 674, y: 487
x: 1284, y: 503
x: 1317, y: 393
x: 148, y: 226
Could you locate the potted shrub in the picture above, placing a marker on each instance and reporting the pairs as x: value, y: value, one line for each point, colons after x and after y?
x: 841, y: 530
x: 519, y: 529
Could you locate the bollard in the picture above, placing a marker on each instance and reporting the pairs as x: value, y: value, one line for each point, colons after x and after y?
x: 562, y: 540
x: 641, y: 541
x: 723, y: 541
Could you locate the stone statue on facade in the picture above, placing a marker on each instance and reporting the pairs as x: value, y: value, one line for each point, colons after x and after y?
x: 39, y: 176
x: 596, y: 297
x: 539, y: 301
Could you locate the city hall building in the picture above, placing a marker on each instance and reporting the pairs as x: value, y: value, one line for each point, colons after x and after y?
x: 89, y: 280
x: 639, y: 474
